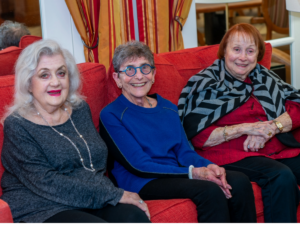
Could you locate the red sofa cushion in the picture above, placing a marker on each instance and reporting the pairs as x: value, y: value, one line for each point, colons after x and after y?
x: 5, y: 213
x: 27, y: 40
x: 188, y: 62
x: 172, y: 211
x: 6, y: 93
x: 93, y: 87
x: 8, y: 58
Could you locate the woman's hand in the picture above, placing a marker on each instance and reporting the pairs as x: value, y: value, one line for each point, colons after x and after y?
x: 214, y: 174
x: 254, y: 143
x: 264, y: 129
x: 134, y: 199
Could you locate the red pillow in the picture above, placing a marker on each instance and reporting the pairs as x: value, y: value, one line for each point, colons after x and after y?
x: 188, y: 62
x: 8, y: 58
x: 93, y: 88
x: 168, y: 82
x: 27, y: 40
x: 6, y: 93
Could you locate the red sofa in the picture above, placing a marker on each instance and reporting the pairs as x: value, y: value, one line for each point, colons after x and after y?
x: 173, y: 71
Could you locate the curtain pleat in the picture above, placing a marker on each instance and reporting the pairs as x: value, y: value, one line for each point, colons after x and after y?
x: 116, y: 26
x: 110, y: 23
x: 85, y: 14
x: 160, y: 23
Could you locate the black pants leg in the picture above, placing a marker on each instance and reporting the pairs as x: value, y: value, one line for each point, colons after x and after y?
x: 294, y: 165
x: 211, y: 203
x: 121, y: 213
x: 279, y: 187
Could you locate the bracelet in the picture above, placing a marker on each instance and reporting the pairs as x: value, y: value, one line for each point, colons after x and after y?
x: 190, y: 171
x: 225, y: 134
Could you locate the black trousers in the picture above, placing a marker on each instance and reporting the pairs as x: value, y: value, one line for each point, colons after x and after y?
x: 278, y: 180
x: 211, y: 203
x: 121, y: 213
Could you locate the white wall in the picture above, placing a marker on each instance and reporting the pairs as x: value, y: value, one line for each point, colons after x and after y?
x: 57, y: 24
x: 189, y: 31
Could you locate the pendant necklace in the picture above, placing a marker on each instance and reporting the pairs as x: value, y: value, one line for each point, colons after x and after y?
x: 61, y: 134
x: 149, y: 102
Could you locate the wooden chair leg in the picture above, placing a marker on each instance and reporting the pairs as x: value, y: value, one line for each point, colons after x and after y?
x: 269, y: 33
x: 200, y: 36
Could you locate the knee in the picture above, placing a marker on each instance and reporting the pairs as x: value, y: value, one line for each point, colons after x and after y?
x: 240, y: 183
x: 136, y: 215
x: 285, y: 178
x: 241, y: 186
x: 212, y: 193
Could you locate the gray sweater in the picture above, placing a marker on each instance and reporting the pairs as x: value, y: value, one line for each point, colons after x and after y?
x: 43, y: 172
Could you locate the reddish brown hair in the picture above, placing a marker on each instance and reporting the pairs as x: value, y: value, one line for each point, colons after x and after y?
x: 246, y: 30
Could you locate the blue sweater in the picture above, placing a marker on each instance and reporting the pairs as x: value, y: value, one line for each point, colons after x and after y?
x: 146, y: 143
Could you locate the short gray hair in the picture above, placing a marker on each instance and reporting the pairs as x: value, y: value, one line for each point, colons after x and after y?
x: 131, y: 51
x: 11, y: 33
x: 26, y: 67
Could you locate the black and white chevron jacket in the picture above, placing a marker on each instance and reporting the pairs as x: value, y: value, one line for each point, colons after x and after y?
x: 213, y: 92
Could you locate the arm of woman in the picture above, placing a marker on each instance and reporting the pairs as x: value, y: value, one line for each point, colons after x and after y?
x: 23, y: 157
x: 185, y: 155
x: 293, y: 109
x: 231, y: 132
x: 289, y: 119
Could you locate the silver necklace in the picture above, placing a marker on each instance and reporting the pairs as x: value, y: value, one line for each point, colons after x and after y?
x: 61, y: 134
x: 149, y: 102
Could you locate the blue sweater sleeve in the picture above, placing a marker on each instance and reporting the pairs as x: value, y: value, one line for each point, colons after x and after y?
x: 186, y: 156
x: 127, y: 151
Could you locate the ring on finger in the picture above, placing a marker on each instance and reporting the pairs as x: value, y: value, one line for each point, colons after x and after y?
x: 141, y: 201
x: 248, y: 146
x: 270, y: 134
x: 262, y: 146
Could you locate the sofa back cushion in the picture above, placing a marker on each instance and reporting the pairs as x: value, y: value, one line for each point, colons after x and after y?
x: 8, y: 58
x: 93, y: 87
x: 6, y: 93
x: 173, y: 70
x: 27, y: 40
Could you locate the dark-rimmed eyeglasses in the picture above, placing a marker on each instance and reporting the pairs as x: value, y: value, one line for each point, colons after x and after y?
x: 131, y: 70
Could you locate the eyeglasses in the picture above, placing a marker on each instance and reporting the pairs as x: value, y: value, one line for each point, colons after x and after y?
x: 131, y: 70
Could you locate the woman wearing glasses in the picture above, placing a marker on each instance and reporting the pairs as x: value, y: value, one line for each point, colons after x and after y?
x: 151, y: 153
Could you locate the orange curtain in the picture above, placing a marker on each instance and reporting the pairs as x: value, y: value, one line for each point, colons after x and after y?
x: 160, y: 23
x: 85, y: 14
x: 116, y: 26
x: 110, y: 23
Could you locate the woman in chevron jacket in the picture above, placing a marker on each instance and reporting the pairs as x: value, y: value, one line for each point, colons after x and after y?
x: 242, y: 116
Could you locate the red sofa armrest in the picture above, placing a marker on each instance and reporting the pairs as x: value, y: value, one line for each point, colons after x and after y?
x: 5, y: 213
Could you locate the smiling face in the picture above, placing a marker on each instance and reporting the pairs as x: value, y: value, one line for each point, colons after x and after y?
x: 50, y: 83
x: 240, y: 56
x: 134, y: 88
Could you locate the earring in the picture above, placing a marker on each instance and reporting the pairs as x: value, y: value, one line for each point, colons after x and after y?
x: 152, y: 81
x: 119, y: 86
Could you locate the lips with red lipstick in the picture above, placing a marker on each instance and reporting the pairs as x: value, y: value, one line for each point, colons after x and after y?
x: 54, y: 92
